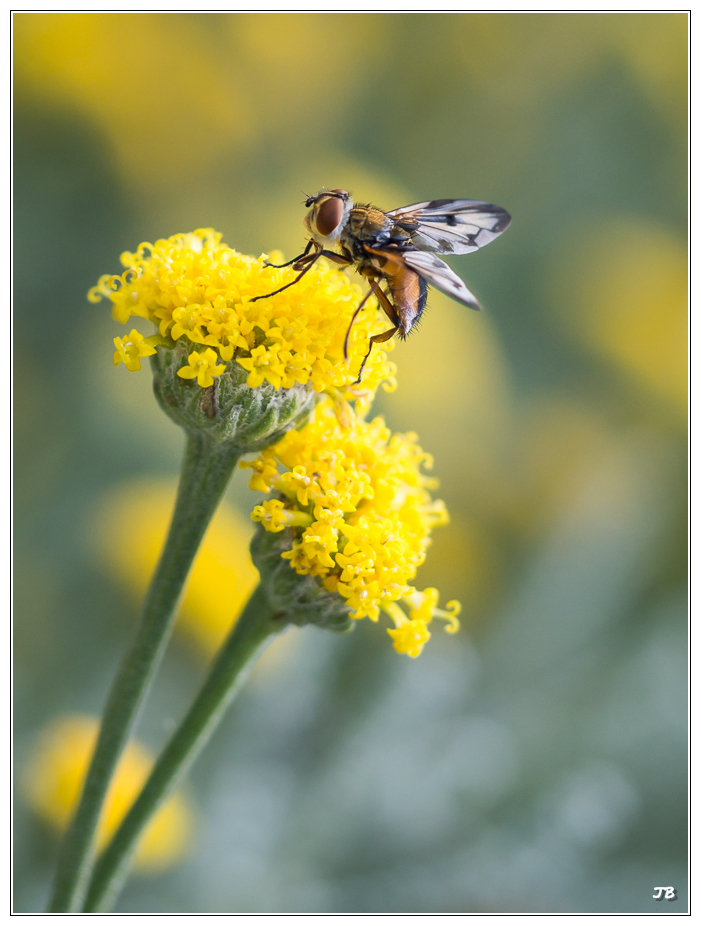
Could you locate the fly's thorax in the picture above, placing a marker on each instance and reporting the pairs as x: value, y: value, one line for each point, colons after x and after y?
x: 368, y: 224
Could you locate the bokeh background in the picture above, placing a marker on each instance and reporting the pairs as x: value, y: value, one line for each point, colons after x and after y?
x: 535, y: 762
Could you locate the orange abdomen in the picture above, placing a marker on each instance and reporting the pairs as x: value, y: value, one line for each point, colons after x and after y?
x: 408, y: 291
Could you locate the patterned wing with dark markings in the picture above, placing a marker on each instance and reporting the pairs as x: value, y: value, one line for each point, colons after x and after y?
x: 438, y: 274
x: 451, y: 226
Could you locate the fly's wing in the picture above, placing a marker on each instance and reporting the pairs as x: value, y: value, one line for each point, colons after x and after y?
x: 438, y: 274
x: 451, y: 226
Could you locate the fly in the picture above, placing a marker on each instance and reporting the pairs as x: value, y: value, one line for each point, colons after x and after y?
x: 397, y: 248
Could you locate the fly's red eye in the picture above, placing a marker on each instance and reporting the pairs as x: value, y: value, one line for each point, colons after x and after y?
x: 329, y: 216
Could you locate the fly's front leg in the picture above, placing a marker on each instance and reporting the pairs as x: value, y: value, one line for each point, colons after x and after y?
x: 331, y: 255
x: 310, y: 260
x: 337, y: 258
x: 294, y: 260
x: 303, y: 261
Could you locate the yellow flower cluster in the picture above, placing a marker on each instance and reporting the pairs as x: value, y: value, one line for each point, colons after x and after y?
x: 54, y: 777
x: 360, y: 505
x: 195, y: 288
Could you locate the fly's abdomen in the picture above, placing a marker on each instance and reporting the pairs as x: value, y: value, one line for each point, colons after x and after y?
x: 409, y: 292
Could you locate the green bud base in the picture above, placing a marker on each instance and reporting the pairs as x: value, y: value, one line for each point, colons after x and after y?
x: 300, y: 598
x: 228, y: 411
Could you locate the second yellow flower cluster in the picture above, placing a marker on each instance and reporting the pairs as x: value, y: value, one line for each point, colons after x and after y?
x: 362, y: 514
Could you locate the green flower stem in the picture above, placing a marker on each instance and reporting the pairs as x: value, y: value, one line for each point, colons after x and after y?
x: 207, y: 467
x: 255, y: 625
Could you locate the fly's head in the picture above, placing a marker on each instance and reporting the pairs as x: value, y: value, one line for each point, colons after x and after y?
x: 327, y: 216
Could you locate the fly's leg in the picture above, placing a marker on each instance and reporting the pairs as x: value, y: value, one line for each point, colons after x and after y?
x: 375, y: 339
x: 294, y: 259
x: 391, y: 313
x: 303, y: 263
x: 337, y: 258
x: 310, y: 261
x: 389, y: 309
x: 331, y: 255
x: 373, y: 289
x: 299, y: 261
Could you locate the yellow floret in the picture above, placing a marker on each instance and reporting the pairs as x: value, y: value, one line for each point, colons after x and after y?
x: 131, y: 349
x: 410, y: 637
x: 272, y: 514
x: 204, y: 366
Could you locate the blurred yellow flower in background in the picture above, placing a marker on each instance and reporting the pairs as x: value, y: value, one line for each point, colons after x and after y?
x: 54, y: 775
x: 129, y: 531
x: 654, y: 46
x: 182, y: 91
x: 621, y: 289
x: 148, y: 81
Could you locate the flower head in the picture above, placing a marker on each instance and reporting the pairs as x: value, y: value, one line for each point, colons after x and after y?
x: 54, y: 778
x: 233, y: 366
x: 359, y: 512
x: 199, y: 291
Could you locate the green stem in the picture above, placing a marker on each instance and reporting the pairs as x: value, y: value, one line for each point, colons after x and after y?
x: 255, y: 625
x: 207, y: 467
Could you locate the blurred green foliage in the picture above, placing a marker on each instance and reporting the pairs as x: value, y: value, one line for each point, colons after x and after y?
x: 537, y: 762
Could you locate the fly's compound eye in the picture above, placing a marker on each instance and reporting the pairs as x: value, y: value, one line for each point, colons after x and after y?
x: 329, y: 215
